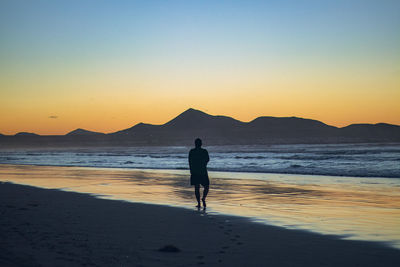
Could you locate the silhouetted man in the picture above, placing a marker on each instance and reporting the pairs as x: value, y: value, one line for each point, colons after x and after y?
x: 198, y: 159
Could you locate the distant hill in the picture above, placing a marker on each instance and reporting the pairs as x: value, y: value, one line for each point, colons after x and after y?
x: 193, y: 119
x: 217, y: 130
x: 80, y: 131
x: 26, y: 134
x: 372, y: 131
x: 185, y: 127
x: 221, y: 130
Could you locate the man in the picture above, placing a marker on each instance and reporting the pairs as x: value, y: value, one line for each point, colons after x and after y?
x: 198, y: 159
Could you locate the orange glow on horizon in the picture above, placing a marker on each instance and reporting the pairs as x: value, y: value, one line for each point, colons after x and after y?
x: 106, y: 119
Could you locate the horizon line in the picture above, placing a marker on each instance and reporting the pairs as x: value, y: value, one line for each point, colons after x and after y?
x: 218, y: 115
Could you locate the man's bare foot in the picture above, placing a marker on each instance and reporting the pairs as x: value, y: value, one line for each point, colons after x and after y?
x: 198, y: 205
x: 204, y: 202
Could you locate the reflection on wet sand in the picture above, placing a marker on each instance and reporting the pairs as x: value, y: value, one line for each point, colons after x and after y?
x: 355, y: 208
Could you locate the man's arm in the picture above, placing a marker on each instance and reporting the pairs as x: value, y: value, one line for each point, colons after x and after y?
x: 190, y: 161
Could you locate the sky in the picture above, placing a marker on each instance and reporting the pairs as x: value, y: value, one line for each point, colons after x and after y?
x: 107, y: 65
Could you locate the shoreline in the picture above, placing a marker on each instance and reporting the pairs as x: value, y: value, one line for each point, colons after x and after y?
x: 209, y: 170
x: 313, y: 204
x: 52, y: 227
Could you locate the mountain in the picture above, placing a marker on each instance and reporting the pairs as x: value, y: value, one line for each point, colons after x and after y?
x: 183, y: 128
x: 217, y: 130
x: 80, y: 131
x: 372, y: 131
x: 193, y: 119
x: 223, y: 130
x: 136, y: 129
x: 290, y: 128
x: 26, y: 134
x: 190, y: 120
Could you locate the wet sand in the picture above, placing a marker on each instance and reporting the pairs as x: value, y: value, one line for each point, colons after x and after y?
x: 352, y: 208
x: 47, y: 227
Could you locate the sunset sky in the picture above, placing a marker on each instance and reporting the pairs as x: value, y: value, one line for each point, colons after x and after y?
x: 107, y: 65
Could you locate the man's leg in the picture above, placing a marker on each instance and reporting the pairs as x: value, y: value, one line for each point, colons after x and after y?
x: 205, y: 192
x: 197, y: 193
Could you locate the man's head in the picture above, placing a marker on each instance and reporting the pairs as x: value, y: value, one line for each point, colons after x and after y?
x: 198, y: 142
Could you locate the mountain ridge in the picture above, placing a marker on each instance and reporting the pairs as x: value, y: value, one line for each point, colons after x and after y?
x: 218, y: 130
x: 26, y: 134
x: 80, y: 131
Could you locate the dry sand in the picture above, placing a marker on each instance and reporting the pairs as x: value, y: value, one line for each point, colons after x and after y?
x: 42, y: 227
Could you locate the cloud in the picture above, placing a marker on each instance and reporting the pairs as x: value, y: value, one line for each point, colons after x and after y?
x: 53, y: 117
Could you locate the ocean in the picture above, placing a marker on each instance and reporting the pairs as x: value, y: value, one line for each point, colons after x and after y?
x: 357, y: 160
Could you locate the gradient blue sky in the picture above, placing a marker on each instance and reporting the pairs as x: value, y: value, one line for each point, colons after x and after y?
x: 105, y: 65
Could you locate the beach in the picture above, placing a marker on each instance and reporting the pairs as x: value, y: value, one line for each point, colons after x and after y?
x: 75, y: 216
x: 44, y: 227
x: 353, y: 208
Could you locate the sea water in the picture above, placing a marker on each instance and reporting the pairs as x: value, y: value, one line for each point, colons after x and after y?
x: 359, y: 160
